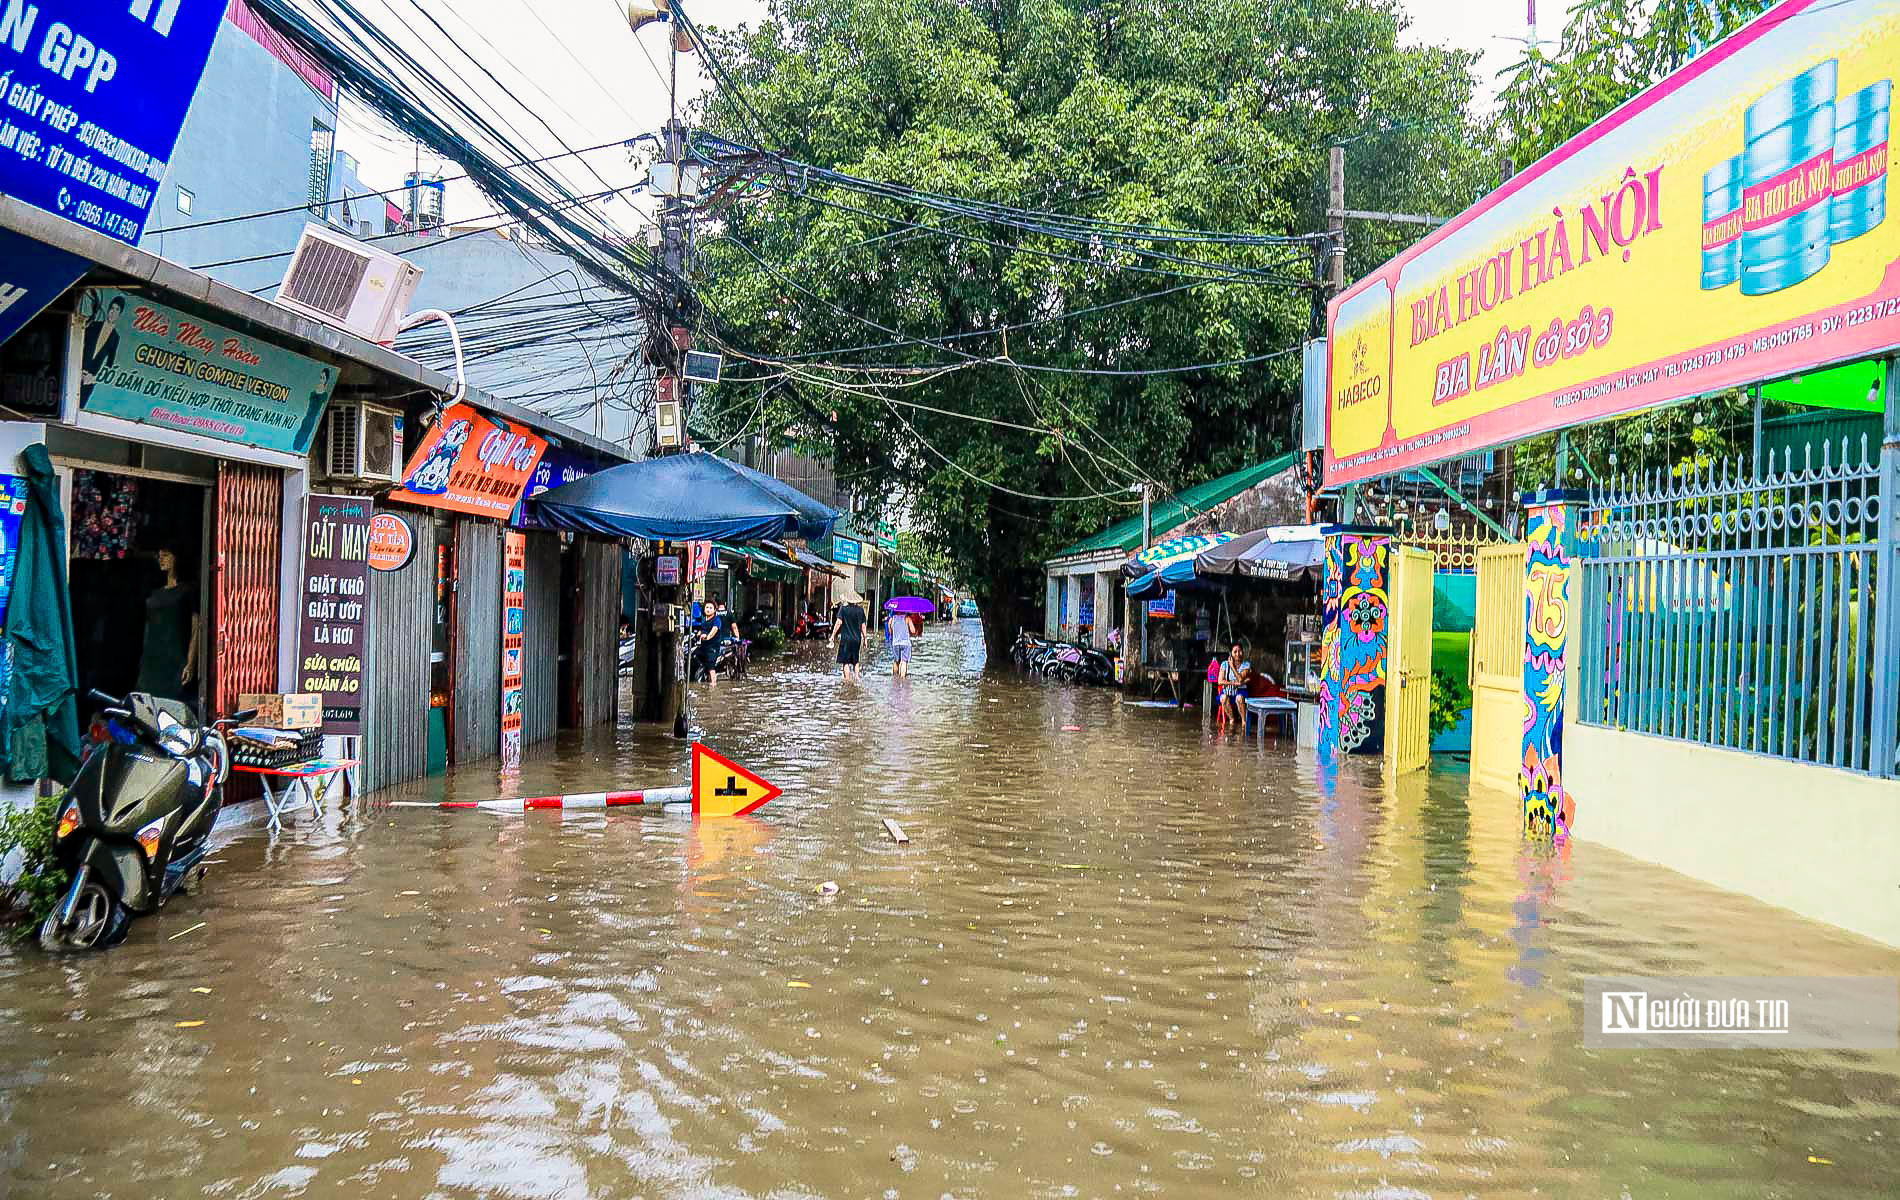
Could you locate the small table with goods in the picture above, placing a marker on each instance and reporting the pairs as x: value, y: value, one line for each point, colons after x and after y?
x: 288, y: 765
x: 298, y: 786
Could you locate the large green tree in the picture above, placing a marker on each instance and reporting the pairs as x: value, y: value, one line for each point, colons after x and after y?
x: 1018, y: 396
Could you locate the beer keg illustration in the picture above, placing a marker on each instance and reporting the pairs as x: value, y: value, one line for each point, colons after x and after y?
x: 1860, y: 162
x: 1787, y: 182
x: 1722, y: 224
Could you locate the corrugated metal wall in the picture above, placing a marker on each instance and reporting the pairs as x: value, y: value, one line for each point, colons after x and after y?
x: 541, y: 645
x: 477, y: 697
x: 597, y: 640
x: 401, y: 624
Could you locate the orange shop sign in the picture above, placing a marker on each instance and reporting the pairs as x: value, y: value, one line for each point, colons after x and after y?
x: 472, y: 463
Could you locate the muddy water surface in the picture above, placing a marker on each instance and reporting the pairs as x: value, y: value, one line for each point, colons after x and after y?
x: 1124, y: 958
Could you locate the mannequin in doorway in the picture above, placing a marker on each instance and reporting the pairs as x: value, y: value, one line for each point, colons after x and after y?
x: 169, y: 660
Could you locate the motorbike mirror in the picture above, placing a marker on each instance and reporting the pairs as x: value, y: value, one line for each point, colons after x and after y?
x: 101, y: 697
x: 244, y: 715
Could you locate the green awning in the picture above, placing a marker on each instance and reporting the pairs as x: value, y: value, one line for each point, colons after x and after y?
x: 913, y: 571
x: 1178, y: 509
x: 763, y: 565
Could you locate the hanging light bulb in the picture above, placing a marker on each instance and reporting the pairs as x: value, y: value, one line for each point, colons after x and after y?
x: 1441, y: 521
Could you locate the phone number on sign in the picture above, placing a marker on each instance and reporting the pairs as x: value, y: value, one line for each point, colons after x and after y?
x: 88, y: 213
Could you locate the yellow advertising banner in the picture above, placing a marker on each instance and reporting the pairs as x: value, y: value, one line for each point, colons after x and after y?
x: 1724, y: 227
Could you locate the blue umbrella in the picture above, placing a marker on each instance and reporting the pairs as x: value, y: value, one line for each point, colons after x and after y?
x: 685, y: 498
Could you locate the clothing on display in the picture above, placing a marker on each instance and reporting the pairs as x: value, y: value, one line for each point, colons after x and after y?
x: 106, y: 520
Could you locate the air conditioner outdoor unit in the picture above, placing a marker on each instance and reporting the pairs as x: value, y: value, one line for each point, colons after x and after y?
x: 361, y: 442
x: 340, y: 281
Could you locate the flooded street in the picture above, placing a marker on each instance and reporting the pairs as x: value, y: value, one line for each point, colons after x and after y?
x: 1129, y: 958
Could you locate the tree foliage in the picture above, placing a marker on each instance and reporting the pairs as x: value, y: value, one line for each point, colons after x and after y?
x: 1610, y: 51
x: 1191, y: 114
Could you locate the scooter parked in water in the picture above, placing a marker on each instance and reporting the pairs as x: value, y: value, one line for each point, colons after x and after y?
x: 137, y: 821
x: 734, y: 657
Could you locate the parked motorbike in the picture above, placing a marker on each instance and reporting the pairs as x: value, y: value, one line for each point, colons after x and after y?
x: 1062, y: 660
x: 734, y: 657
x: 137, y: 820
x: 811, y: 626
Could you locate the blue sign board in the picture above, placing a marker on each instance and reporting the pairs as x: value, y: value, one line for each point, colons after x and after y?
x: 96, y: 92
x: 32, y: 276
x: 558, y: 466
x: 1163, y: 607
x: 844, y: 550
x: 148, y: 362
x: 12, y: 511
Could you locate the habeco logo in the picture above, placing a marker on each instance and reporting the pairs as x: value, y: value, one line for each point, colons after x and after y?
x: 1361, y: 388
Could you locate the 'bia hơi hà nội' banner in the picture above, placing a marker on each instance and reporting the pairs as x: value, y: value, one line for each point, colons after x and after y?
x: 1726, y: 226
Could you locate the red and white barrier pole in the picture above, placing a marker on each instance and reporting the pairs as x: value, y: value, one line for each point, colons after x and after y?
x: 720, y: 788
x: 579, y: 802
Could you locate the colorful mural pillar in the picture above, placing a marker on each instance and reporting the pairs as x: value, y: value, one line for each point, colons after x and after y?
x: 1355, y: 620
x: 1552, y: 518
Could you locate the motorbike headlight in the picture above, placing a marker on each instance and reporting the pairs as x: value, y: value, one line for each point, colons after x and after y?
x: 148, y: 838
x: 68, y: 821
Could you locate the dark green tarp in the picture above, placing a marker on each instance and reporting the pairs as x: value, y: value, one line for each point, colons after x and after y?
x: 41, y: 735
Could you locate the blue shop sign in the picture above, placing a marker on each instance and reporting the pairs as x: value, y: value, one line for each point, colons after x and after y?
x: 148, y: 362
x: 844, y: 550
x: 12, y: 512
x: 1163, y: 607
x: 32, y: 276
x: 92, y: 97
x: 558, y: 466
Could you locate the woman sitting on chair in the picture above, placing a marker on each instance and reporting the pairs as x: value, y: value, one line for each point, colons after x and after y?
x: 1233, y: 687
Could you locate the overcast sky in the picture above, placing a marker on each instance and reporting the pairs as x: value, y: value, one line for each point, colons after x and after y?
x: 586, y: 74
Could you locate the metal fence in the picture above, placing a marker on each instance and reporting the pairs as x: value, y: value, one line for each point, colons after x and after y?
x: 1739, y: 608
x: 1455, y: 550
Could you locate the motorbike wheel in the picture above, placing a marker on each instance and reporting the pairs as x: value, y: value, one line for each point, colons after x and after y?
x: 99, y: 921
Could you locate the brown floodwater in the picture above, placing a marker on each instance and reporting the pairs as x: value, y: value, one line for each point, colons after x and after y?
x: 1121, y: 959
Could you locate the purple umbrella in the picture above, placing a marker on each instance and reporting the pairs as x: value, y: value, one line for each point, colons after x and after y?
x: 915, y: 606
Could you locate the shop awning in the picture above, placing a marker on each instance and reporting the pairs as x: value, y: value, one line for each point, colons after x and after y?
x: 1283, y: 552
x: 1173, y: 550
x: 1172, y: 511
x: 807, y: 558
x: 913, y: 571
x: 685, y: 498
x: 1278, y: 552
x: 764, y: 565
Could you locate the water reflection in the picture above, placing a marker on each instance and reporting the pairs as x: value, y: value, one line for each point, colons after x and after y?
x: 1133, y: 958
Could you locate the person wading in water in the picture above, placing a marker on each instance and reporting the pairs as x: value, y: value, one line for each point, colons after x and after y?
x: 897, y: 626
x: 847, y: 634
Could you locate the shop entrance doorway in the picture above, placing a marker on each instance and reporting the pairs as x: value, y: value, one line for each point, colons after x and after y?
x: 140, y: 576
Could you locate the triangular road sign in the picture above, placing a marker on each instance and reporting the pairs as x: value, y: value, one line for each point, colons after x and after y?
x: 723, y: 788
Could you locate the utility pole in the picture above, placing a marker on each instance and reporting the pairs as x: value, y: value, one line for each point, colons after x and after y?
x: 664, y: 632
x: 1335, y: 279
x: 1336, y: 221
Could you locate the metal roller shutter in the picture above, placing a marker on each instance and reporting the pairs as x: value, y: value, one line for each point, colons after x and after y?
x: 401, y: 624
x: 477, y: 696
x: 541, y: 643
x: 597, y: 636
